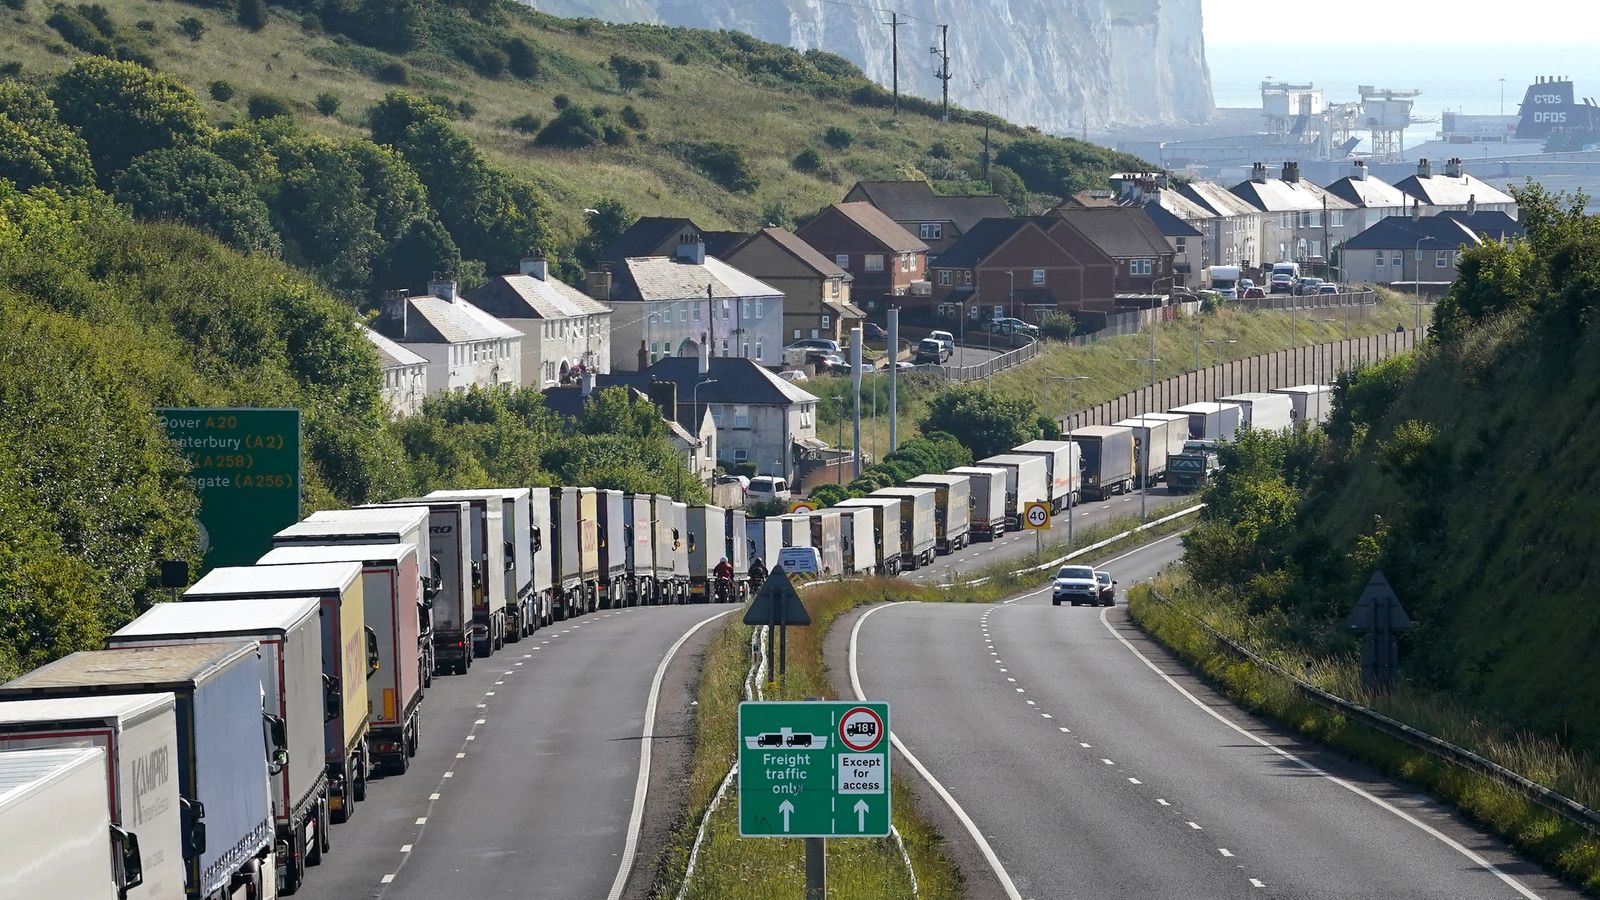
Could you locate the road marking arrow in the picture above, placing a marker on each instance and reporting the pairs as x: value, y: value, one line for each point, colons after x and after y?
x: 786, y: 808
x: 861, y: 815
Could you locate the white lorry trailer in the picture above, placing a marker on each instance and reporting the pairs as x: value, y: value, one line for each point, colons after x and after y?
x: 1106, y: 457
x: 611, y: 530
x: 987, y: 492
x: 860, y: 543
x: 1312, y: 402
x: 766, y: 539
x: 486, y: 531
x: 952, y: 509
x: 640, y: 529
x: 669, y: 587
x: 508, y: 566
x: 738, y: 555
x: 708, y: 545
x: 82, y: 854
x: 1265, y: 412
x: 917, y: 523
x: 1063, y: 470
x: 680, y: 550
x: 447, y: 591
x: 827, y: 535
x: 1026, y: 482
x: 1211, y: 421
x: 541, y: 551
x: 891, y: 543
x: 1156, y: 436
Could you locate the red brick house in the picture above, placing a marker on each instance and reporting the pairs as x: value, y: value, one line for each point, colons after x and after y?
x: 884, y: 260
x: 1021, y: 267
x: 1124, y: 234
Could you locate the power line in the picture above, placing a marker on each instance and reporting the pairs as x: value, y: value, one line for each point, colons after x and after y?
x: 943, y: 72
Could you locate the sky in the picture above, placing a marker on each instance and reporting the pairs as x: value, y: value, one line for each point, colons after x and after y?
x: 1399, y: 21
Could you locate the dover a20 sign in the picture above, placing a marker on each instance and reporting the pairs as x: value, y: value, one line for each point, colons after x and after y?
x: 817, y: 769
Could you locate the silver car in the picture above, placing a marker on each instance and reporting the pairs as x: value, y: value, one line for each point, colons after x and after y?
x: 1076, y: 585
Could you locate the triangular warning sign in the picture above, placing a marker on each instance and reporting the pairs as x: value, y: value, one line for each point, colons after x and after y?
x: 1378, y: 607
x: 777, y: 604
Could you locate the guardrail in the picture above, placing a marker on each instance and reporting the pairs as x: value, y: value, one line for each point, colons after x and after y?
x: 998, y: 364
x: 1363, y: 297
x: 1186, y: 511
x: 1560, y: 804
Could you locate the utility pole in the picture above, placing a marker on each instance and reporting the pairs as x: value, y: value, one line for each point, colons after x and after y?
x: 943, y: 72
x: 986, y: 149
x: 894, y: 24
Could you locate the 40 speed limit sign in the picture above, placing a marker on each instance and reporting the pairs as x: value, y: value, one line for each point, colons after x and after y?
x: 1036, y: 516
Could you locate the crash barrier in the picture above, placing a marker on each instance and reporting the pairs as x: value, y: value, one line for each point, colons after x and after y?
x: 1186, y: 511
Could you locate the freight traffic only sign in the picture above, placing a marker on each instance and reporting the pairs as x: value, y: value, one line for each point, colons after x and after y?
x: 245, y: 465
x: 813, y: 769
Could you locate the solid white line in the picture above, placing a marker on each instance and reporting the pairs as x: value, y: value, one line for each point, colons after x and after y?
x: 1134, y: 781
x: 1364, y: 794
x: 1140, y: 549
x: 1195, y: 826
x: 972, y: 829
x: 630, y: 844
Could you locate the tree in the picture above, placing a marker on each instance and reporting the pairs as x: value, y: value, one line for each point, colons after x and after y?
x: 253, y: 14
x: 125, y: 110
x: 610, y: 219
x: 522, y: 60
x: 192, y: 28
x: 631, y: 73
x: 983, y: 421
x: 196, y: 187
x: 221, y: 91
x: 807, y: 160
x: 327, y: 103
x: 36, y: 148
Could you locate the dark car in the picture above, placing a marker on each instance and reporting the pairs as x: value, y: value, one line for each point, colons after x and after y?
x: 929, y: 350
x: 1108, y: 588
x: 872, y: 331
x: 1254, y: 293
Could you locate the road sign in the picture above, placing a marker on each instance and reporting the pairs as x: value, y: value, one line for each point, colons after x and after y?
x: 802, y: 506
x: 1381, y: 618
x: 1036, y: 516
x: 777, y: 603
x: 814, y: 769
x: 800, y: 560
x: 245, y: 465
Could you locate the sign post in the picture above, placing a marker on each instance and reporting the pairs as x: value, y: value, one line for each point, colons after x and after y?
x: 1036, y: 518
x: 1380, y: 618
x: 245, y: 466
x: 777, y: 606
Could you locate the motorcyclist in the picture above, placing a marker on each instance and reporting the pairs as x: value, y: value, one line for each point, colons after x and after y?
x: 723, y: 574
x: 758, y: 570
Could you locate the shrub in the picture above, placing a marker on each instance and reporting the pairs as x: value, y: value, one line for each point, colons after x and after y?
x: 192, y: 28
x: 16, y: 4
x: 10, y: 69
x: 634, y: 119
x: 490, y: 62
x: 573, y: 128
x: 253, y: 14
x: 725, y: 164
x: 466, y: 108
x: 1056, y: 326
x: 266, y: 106
x: 560, y: 102
x: 616, y: 135
x: 807, y: 160
x: 527, y: 123
x: 393, y: 73
x: 838, y: 138
x: 523, y: 61
x: 327, y: 103
x: 221, y: 91
x: 631, y: 73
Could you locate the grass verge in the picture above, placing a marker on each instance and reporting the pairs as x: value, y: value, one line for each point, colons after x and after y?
x: 1568, y: 849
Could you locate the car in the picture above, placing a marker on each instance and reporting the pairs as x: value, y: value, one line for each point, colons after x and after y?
x: 872, y: 331
x: 1075, y: 584
x: 1246, y: 284
x: 1306, y: 285
x: 1254, y: 293
x: 741, y: 480
x: 794, y: 376
x: 822, y: 344
x: 946, y: 340
x: 1327, y: 287
x: 1108, y: 587
x: 930, y: 351
x: 1014, y: 326
x: 769, y: 487
x: 1281, y: 283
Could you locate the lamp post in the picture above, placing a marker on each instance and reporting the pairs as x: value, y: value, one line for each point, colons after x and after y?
x: 1071, y: 499
x: 1197, y: 356
x: 1011, y: 292
x: 838, y: 403
x: 694, y: 398
x: 1416, y: 278
x: 1144, y: 474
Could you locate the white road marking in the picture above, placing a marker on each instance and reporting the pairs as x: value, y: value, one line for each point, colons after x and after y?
x: 1047, y: 715
x: 1083, y: 745
x: 1224, y: 851
x: 1196, y: 826
x: 388, y: 878
x: 1021, y: 691
x: 449, y: 774
x: 472, y: 737
x: 1012, y: 680
x: 1107, y: 761
x: 433, y: 796
x: 1065, y: 730
x: 1256, y: 882
x: 1134, y: 781
x: 422, y: 820
x: 488, y: 693
x: 480, y: 721
x: 1031, y: 703
x: 1162, y: 802
x: 405, y: 848
x: 1359, y: 791
x: 461, y: 756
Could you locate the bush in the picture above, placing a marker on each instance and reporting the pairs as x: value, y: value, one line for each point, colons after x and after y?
x: 631, y: 73
x: 221, y: 91
x: 523, y: 61
x: 192, y: 28
x: 527, y: 123
x: 327, y: 103
x: 16, y: 4
x: 267, y: 106
x: 574, y: 128
x: 253, y: 14
x: 838, y: 138
x: 10, y: 69
x: 490, y: 62
x: 393, y: 73
x: 615, y: 135
x: 560, y: 102
x: 1056, y: 326
x: 807, y: 160
x: 634, y: 119
x: 725, y: 164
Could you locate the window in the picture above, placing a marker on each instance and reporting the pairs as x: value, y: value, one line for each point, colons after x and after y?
x: 905, y: 262
x: 833, y: 287
x: 842, y: 260
x: 1336, y: 218
x: 697, y: 312
x: 741, y: 455
x: 1398, y: 261
x: 716, y: 414
x: 741, y: 417
x: 931, y: 231
x: 824, y: 321
x: 966, y: 277
x: 1180, y: 244
x: 1140, y: 266
x: 758, y: 349
x: 1441, y: 259
x: 944, y: 276
x: 1038, y: 277
x: 727, y: 308
x: 1377, y: 258
x: 797, y: 334
x: 874, y: 262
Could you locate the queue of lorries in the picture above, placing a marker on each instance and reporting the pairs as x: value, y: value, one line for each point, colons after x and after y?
x: 208, y: 750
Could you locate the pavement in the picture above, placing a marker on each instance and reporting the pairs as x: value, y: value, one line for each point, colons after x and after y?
x: 526, y: 780
x: 1087, y: 762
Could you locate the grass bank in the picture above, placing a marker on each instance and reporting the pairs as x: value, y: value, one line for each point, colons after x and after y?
x: 1566, y: 848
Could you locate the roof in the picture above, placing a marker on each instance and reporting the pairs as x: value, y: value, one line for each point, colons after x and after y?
x: 1121, y: 232
x: 803, y: 252
x: 1490, y: 225
x: 390, y: 354
x: 1445, y: 190
x: 63, y: 710
x: 644, y: 236
x: 569, y: 400
x: 323, y: 553
x: 1180, y: 206
x: 720, y: 243
x: 221, y: 617
x: 736, y: 379
x: 528, y: 297
x: 1167, y: 223
x: 883, y: 229
x: 915, y: 201
x: 1404, y: 233
x: 435, y: 320
x: 24, y: 773
x: 1217, y: 199
x: 1277, y: 195
x: 652, y: 278
x: 145, y: 669
x: 981, y: 240
x: 1367, y: 193
x: 306, y: 580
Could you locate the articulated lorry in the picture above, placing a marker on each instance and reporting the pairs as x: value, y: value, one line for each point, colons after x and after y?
x: 1211, y: 421
x: 680, y: 549
x: 987, y: 488
x: 917, y: 523
x: 1106, y: 457
x: 576, y: 511
x: 540, y: 528
x: 1063, y: 471
x: 289, y: 634
x: 890, y: 544
x: 860, y: 544
x: 448, y: 591
x: 708, y: 546
x: 952, y: 510
x: 1027, y: 482
x: 138, y: 733
x: 1312, y: 402
x: 1265, y: 412
x: 611, y: 531
x: 349, y: 658
x: 640, y: 531
x: 82, y: 854
x: 670, y: 587
x: 827, y: 535
x: 766, y: 540
x: 487, y: 536
x: 1156, y: 437
x: 222, y: 759
x: 509, y: 559
x: 738, y: 554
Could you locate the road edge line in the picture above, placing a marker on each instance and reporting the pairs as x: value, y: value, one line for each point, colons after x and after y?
x: 995, y: 865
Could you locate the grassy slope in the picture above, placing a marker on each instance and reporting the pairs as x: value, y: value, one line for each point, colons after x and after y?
x: 693, y: 102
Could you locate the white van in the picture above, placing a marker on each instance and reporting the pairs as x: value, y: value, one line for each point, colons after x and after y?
x: 769, y: 487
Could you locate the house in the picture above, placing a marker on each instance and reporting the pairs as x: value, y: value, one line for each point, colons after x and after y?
x: 1018, y: 265
x: 695, y: 442
x: 564, y: 331
x: 1299, y: 220
x: 1126, y: 235
x: 816, y: 292
x: 673, y: 305
x: 1187, y: 241
x: 465, y: 347
x: 886, y: 260
x: 405, y: 375
x: 1453, y: 189
x: 1421, y: 248
x: 660, y: 236
x: 1189, y: 227
x: 938, y: 220
x: 1235, y: 236
x: 1373, y: 198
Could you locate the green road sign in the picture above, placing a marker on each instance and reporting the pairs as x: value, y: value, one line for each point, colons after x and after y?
x: 813, y: 769
x: 245, y: 465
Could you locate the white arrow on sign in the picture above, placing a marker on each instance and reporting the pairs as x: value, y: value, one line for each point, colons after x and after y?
x: 786, y: 808
x: 861, y: 815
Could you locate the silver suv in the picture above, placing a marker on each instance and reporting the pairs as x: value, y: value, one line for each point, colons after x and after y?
x: 1077, y: 585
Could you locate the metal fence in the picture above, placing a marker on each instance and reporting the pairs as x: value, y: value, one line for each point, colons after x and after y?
x: 1364, y: 297
x: 998, y: 364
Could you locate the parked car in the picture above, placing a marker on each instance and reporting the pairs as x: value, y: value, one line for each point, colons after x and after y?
x: 873, y: 332
x: 1254, y: 293
x: 822, y: 344
x: 1327, y: 287
x: 1281, y: 283
x: 1307, y: 285
x: 794, y: 376
x: 741, y: 480
x: 769, y: 487
x: 1075, y: 584
x: 929, y: 350
x: 1015, y: 326
x: 1108, y: 587
x: 946, y: 340
x: 1246, y: 284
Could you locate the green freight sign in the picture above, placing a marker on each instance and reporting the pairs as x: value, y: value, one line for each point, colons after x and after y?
x: 813, y: 769
x: 245, y: 465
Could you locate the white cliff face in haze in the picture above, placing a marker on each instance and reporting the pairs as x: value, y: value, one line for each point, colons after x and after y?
x: 1050, y: 63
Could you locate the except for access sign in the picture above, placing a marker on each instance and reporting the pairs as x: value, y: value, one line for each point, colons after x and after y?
x: 817, y: 769
x: 1036, y: 516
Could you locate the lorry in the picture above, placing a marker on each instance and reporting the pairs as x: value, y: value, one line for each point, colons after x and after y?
x: 1265, y: 412
x: 708, y: 546
x: 668, y: 587
x: 860, y: 543
x: 765, y: 537
x: 1106, y: 457
x: 680, y: 549
x: 916, y: 523
x: 1224, y: 280
x: 394, y: 692
x: 796, y: 529
x: 83, y: 854
x: 540, y: 527
x: 454, y: 572
x: 138, y: 733
x: 224, y: 808
x: 987, y: 494
x: 349, y: 658
x: 1156, y: 437
x: 576, y: 513
x: 827, y: 535
x: 1312, y: 402
x: 486, y: 532
x: 738, y: 555
x: 1063, y: 471
x: 510, y: 559
x: 611, y: 530
x: 952, y: 510
x: 1211, y: 421
x: 289, y: 634
x: 1192, y: 469
x: 890, y: 543
x: 640, y: 531
x: 1026, y: 482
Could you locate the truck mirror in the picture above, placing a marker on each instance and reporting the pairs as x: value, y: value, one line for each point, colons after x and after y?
x: 190, y: 812
x: 538, y: 538
x: 126, y: 847
x: 372, y: 652
x: 511, y: 556
x: 277, y: 734
x: 477, y: 575
x: 691, y: 542
x: 331, y: 698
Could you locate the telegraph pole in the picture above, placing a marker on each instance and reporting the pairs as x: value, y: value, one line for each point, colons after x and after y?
x: 894, y: 24
x: 943, y: 72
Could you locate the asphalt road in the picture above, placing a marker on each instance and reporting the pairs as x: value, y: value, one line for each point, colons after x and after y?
x: 526, y: 778
x: 1095, y: 766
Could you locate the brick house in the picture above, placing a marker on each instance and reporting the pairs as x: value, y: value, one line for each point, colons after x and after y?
x: 938, y: 220
x: 816, y: 292
x: 1020, y: 267
x: 1141, y: 256
x: 886, y: 261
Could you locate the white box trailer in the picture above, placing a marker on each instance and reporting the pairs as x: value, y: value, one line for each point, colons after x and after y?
x: 917, y: 523
x: 1265, y: 412
x: 987, y: 495
x: 738, y: 554
x: 541, y: 551
x: 486, y: 528
x: 1211, y: 421
x: 289, y: 634
x: 680, y: 550
x: 640, y: 532
x: 509, y: 564
x: 394, y: 691
x: 670, y: 586
x: 708, y: 546
x: 611, y: 530
x: 1106, y: 455
x: 1027, y: 482
x: 1312, y: 402
x: 952, y: 509
x: 447, y: 590
x: 857, y: 525
x: 765, y: 537
x: 827, y: 535
x: 222, y: 754
x: 577, y: 514
x: 1063, y: 470
x: 139, y: 735
x: 892, y: 545
x: 1156, y: 436
x: 56, y: 837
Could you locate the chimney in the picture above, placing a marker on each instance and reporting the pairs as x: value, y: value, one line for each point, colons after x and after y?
x: 1424, y: 169
x: 705, y: 354
x: 586, y: 382
x: 1358, y: 171
x: 598, y: 284
x: 392, y: 314
x: 1452, y: 167
x: 443, y: 287
x: 534, y: 264
x: 1258, y: 173
x: 1472, y: 204
x: 664, y: 394
x: 1291, y: 172
x: 1416, y: 209
x: 691, y: 249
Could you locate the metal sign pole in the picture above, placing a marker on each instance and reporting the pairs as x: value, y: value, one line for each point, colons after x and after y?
x: 816, y: 869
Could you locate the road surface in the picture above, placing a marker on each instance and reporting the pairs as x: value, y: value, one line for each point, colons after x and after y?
x: 1090, y: 774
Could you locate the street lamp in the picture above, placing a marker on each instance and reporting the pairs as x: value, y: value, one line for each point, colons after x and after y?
x: 1217, y: 342
x: 1071, y: 499
x: 838, y: 402
x: 1011, y: 292
x: 1416, y: 278
x: 694, y: 398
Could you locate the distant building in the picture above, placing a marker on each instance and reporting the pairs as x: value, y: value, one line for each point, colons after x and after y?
x: 1126, y: 235
x: 1187, y: 243
x: 565, y: 332
x: 661, y: 235
x: 405, y: 375
x: 1235, y: 238
x: 938, y: 220
x: 1373, y: 199
x: 1299, y: 220
x: 816, y: 292
x: 694, y: 441
x: 887, y: 261
x: 1453, y: 189
x: 1424, y: 249
x: 464, y: 346
x: 1022, y: 267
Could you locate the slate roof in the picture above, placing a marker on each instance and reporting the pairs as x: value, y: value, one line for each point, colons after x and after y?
x: 527, y: 297
x: 390, y: 354
x: 435, y: 320
x: 650, y: 278
x: 883, y: 229
x: 806, y: 254
x: 1216, y: 198
x: 645, y: 235
x: 738, y: 380
x: 1167, y: 223
x: 1403, y: 233
x: 1490, y: 225
x: 915, y: 201
x: 980, y: 240
x: 1277, y: 195
x: 1120, y: 232
x: 721, y: 243
x: 1181, y: 206
x: 1367, y: 193
x: 1443, y: 190
x: 568, y: 401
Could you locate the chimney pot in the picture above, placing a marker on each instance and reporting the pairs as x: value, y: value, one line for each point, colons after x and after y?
x: 392, y: 314
x: 443, y: 288
x: 1359, y: 172
x: 1291, y: 172
x: 1452, y: 167
x: 1472, y: 205
x: 692, y: 249
x: 1258, y: 173
x: 1424, y: 169
x: 534, y: 265
x: 705, y: 355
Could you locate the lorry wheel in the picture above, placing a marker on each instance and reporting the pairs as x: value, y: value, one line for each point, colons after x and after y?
x: 415, y: 740
x: 358, y: 789
x: 346, y: 802
x: 317, y: 843
x: 399, y: 763
x: 294, y: 871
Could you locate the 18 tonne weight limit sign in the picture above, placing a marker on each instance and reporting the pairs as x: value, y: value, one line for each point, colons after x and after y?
x: 813, y: 769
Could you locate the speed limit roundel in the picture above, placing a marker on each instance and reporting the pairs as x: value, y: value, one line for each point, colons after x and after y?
x: 1038, y: 515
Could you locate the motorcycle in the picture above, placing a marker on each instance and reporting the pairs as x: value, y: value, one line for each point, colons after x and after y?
x: 723, y: 590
